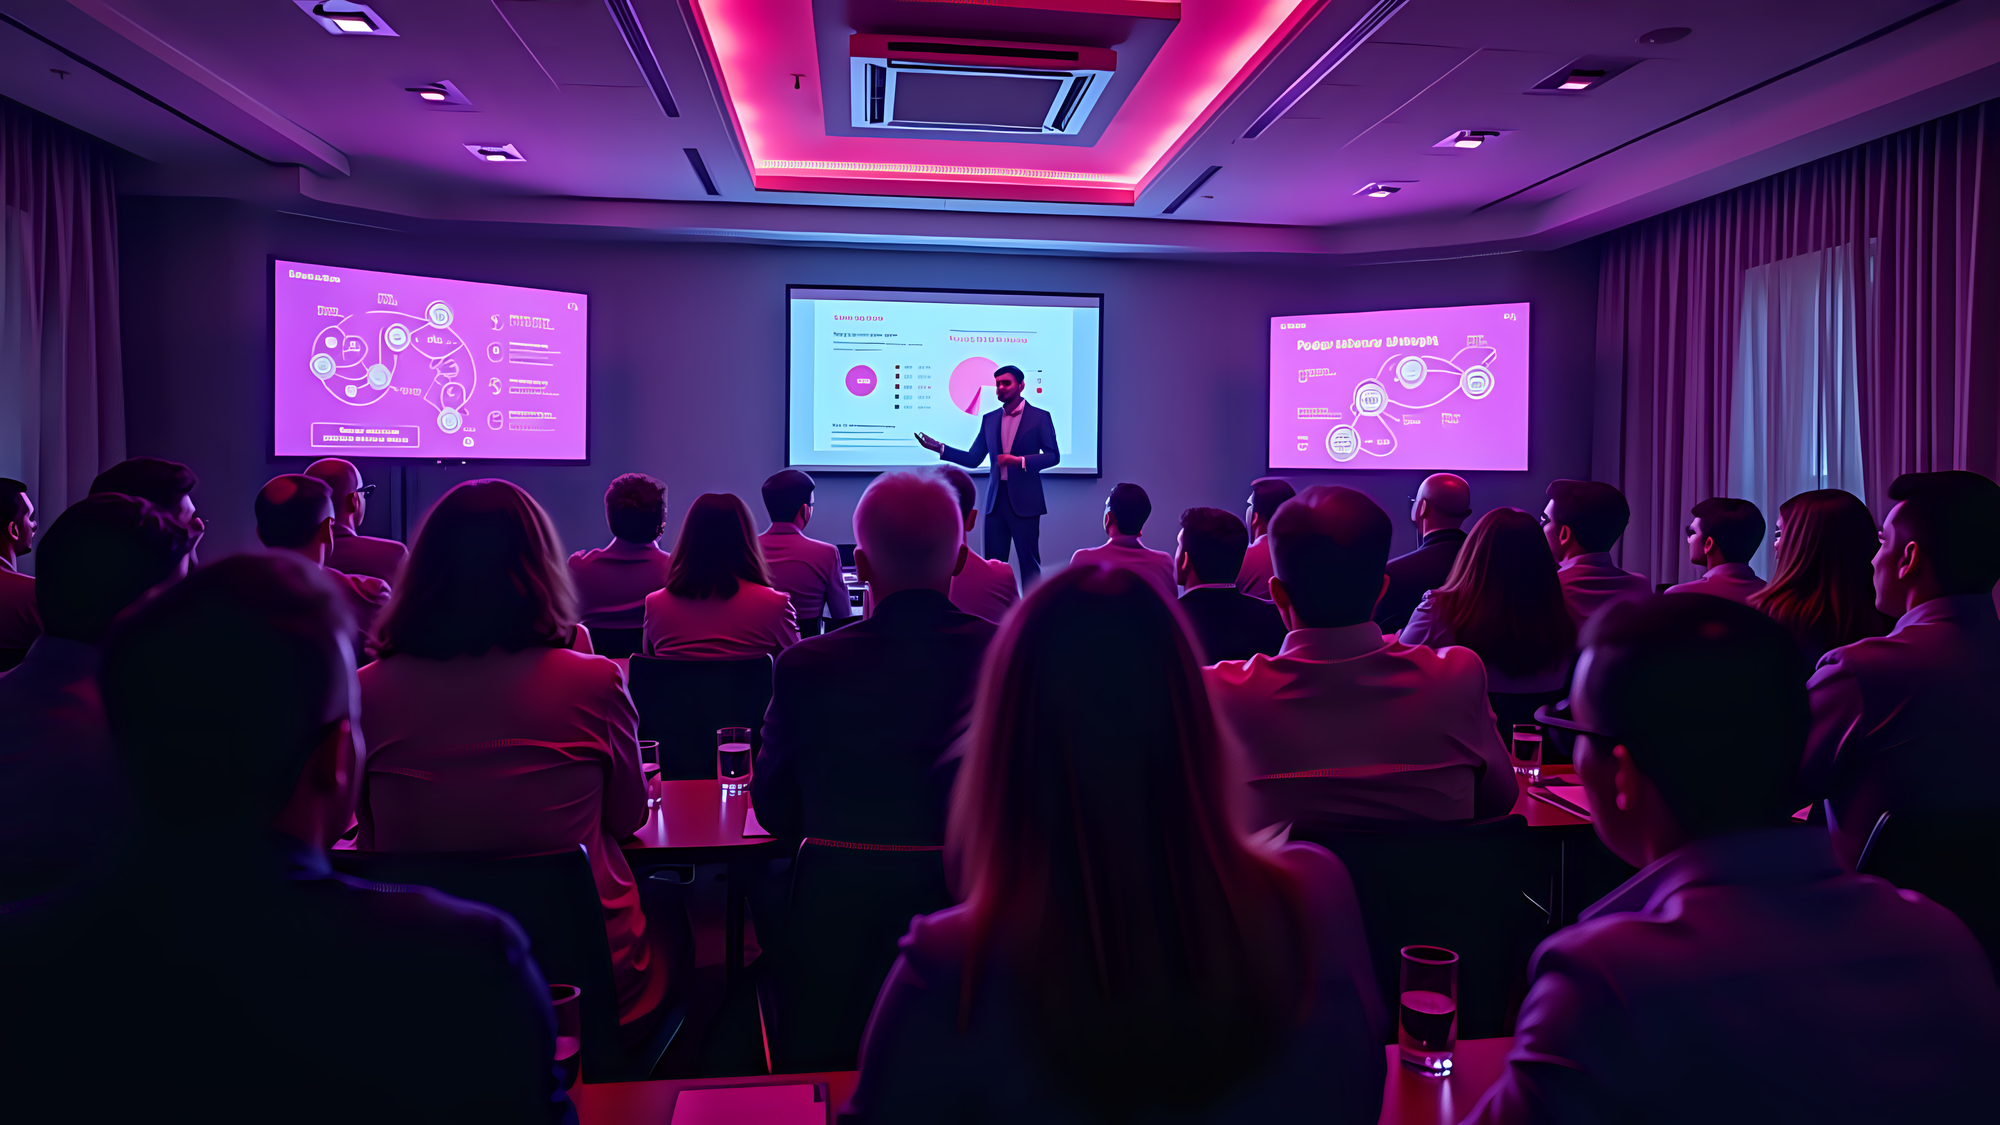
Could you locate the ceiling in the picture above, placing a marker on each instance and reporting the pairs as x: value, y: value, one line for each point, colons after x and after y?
x: 252, y: 98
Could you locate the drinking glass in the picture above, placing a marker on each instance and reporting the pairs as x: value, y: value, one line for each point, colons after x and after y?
x: 649, y: 768
x: 732, y: 758
x: 566, y: 999
x: 1427, y: 1017
x: 1526, y: 748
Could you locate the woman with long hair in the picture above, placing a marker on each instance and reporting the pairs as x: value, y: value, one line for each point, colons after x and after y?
x: 718, y: 603
x: 487, y: 733
x: 1122, y: 945
x: 1824, y: 589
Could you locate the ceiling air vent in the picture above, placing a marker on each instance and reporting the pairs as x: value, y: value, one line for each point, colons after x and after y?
x: 975, y: 85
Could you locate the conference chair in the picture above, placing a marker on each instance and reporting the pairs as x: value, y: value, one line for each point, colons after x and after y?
x: 1946, y: 856
x: 683, y: 702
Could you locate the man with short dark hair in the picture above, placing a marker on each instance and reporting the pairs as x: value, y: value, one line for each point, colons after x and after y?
x: 1722, y: 536
x: 1742, y: 975
x: 295, y: 513
x: 353, y: 552
x: 1904, y: 723
x: 1346, y: 724
x: 19, y: 622
x: 1266, y: 493
x: 1582, y: 522
x: 1022, y: 441
x: 800, y: 565
x: 1440, y: 508
x: 1230, y: 624
x: 612, y: 581
x: 1125, y: 513
x: 167, y: 485
x: 232, y: 705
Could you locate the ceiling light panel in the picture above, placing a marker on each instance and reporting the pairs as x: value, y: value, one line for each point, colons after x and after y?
x: 1586, y: 73
x: 496, y: 154
x: 338, y: 17
x: 442, y: 94
x: 1380, y: 190
x: 1469, y: 139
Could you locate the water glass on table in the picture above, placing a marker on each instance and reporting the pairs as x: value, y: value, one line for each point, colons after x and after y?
x: 566, y: 1000
x: 1427, y: 1016
x: 1526, y: 749
x: 732, y: 758
x: 649, y: 769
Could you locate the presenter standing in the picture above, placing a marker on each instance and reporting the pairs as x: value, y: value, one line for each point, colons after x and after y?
x: 1022, y: 440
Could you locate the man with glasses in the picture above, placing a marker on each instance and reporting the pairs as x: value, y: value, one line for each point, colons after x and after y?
x: 353, y: 552
x: 1742, y: 975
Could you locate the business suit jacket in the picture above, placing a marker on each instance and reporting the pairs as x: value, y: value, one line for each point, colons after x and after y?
x: 1413, y: 575
x: 1034, y: 440
x: 1231, y: 624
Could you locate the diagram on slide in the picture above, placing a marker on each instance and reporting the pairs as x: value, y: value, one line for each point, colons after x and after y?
x: 1440, y: 380
x: 365, y: 357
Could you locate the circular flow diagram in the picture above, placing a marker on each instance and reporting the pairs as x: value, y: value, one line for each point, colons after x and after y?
x: 1470, y: 373
x: 358, y: 360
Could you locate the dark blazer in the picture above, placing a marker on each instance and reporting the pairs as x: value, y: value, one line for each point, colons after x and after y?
x: 1231, y: 624
x: 861, y: 719
x: 1410, y: 575
x: 1034, y: 440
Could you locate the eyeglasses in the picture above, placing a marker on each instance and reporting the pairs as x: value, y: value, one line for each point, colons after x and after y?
x: 1545, y: 717
x: 1542, y: 518
x: 366, y: 491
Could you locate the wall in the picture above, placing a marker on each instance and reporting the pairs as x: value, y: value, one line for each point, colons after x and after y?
x: 688, y: 360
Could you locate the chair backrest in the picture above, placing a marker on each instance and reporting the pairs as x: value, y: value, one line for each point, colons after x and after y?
x: 1366, y: 795
x: 1948, y: 857
x: 616, y: 643
x: 682, y: 703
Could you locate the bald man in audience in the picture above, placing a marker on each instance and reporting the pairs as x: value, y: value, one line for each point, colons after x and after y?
x: 20, y: 623
x: 1346, y: 725
x: 353, y: 552
x: 1742, y: 976
x: 1583, y: 520
x: 1266, y: 493
x: 1722, y: 535
x: 1442, y: 505
x: 295, y: 513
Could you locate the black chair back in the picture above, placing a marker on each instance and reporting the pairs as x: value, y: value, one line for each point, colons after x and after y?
x: 683, y: 702
x: 616, y: 643
x: 1946, y: 856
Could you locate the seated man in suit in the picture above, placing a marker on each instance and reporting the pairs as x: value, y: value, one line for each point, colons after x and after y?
x: 1904, y: 723
x: 231, y: 704
x: 1742, y: 975
x: 801, y: 566
x: 612, y: 581
x: 353, y: 552
x: 1722, y: 536
x: 1266, y: 493
x: 1583, y: 521
x: 1125, y: 513
x: 1443, y: 503
x: 1230, y: 624
x: 19, y: 624
x: 295, y: 513
x: 1345, y: 724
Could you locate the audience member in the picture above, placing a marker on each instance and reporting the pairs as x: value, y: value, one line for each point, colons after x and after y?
x: 1504, y: 602
x: 1266, y: 493
x: 718, y: 603
x: 982, y: 587
x: 167, y: 485
x: 612, y: 581
x: 852, y: 778
x: 1898, y: 721
x: 489, y: 733
x: 1440, y: 508
x: 1125, y: 513
x: 1722, y: 536
x: 1228, y: 623
x: 295, y: 513
x: 321, y: 998
x: 61, y: 795
x: 353, y: 552
x: 1345, y: 723
x: 19, y: 622
x: 1741, y: 975
x: 802, y: 567
x: 1824, y: 590
x: 1583, y: 521
x: 1123, y: 951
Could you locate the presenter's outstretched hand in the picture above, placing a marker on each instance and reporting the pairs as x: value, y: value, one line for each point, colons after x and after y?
x: 929, y: 442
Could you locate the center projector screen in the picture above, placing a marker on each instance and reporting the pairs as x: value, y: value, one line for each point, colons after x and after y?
x: 872, y: 367
x: 1406, y: 389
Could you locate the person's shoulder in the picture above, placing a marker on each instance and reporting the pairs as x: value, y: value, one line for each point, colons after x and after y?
x: 768, y: 596
x: 367, y: 587
x: 585, y: 556
x: 376, y: 543
x: 936, y: 944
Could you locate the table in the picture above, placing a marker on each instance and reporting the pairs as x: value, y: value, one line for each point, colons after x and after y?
x: 1541, y: 814
x: 697, y: 823
x: 1408, y: 1098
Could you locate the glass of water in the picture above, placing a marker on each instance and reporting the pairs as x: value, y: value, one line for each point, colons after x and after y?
x: 1526, y: 749
x: 649, y: 768
x: 1427, y: 1017
x: 732, y: 758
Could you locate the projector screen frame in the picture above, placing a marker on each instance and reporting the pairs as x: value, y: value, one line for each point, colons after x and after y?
x: 271, y: 382
x: 785, y: 419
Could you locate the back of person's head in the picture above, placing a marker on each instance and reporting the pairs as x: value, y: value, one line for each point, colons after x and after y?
x: 1504, y: 600
x: 1823, y: 588
x: 291, y: 510
x: 340, y: 475
x: 961, y: 486
x: 909, y: 527
x: 1595, y: 513
x: 1736, y: 526
x: 785, y: 493
x: 1130, y: 508
x: 486, y: 571
x: 635, y: 507
x: 1954, y: 518
x: 219, y: 689
x: 162, y: 482
x: 1213, y: 541
x: 1158, y: 956
x: 717, y: 549
x: 1684, y: 681
x: 1330, y: 548
x: 1266, y: 493
x: 102, y: 554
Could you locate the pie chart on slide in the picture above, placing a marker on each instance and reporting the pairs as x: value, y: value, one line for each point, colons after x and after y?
x: 968, y: 379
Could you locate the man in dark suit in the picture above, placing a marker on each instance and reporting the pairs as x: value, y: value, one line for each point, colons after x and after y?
x: 1440, y: 508
x: 1022, y: 440
x: 1230, y: 624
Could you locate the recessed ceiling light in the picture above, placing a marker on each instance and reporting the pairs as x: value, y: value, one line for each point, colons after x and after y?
x: 1468, y: 138
x: 339, y: 17
x: 497, y: 154
x: 1580, y: 80
x: 1378, y: 191
x: 1666, y: 35
x: 1586, y: 73
x: 441, y: 94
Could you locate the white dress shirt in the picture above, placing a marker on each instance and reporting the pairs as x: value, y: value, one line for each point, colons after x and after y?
x: 755, y: 621
x: 20, y: 618
x: 1735, y: 581
x: 1254, y: 576
x: 1591, y: 582
x: 1126, y: 551
x: 808, y: 570
x: 1010, y: 424
x: 612, y: 582
x: 1428, y: 627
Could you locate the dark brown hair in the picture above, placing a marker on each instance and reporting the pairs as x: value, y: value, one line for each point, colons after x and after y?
x: 716, y: 550
x: 1503, y: 599
x: 635, y: 508
x: 1824, y: 590
x: 486, y: 571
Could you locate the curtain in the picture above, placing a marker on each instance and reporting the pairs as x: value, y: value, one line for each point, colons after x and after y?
x: 62, y: 399
x: 1753, y: 285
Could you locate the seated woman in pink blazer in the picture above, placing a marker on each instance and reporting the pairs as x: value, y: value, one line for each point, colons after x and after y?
x: 718, y: 604
x: 487, y: 732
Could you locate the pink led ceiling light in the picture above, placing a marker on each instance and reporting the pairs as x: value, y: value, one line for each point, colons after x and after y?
x: 757, y: 45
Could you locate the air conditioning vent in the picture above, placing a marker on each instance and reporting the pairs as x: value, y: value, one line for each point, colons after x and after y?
x: 975, y: 85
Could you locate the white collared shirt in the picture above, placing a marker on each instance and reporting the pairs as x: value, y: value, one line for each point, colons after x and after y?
x: 1128, y: 552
